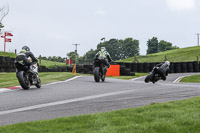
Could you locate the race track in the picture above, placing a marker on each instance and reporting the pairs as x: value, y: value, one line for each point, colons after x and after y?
x: 84, y: 96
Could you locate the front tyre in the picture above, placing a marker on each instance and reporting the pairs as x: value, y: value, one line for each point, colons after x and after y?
x: 23, y: 79
x: 38, y: 84
x: 148, y: 78
x: 96, y: 74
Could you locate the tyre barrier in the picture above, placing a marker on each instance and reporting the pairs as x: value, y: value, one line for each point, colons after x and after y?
x: 134, y: 67
x: 146, y: 67
x: 171, y: 68
x: 190, y: 67
x: 195, y: 66
x: 177, y: 67
x: 183, y: 67
x: 126, y: 69
x: 140, y: 67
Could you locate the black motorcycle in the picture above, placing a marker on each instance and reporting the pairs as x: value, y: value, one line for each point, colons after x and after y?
x: 153, y: 76
x: 99, y: 70
x: 27, y: 76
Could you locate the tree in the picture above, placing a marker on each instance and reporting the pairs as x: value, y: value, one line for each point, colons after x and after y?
x: 164, y: 45
x: 89, y: 56
x: 3, y: 13
x: 152, y: 45
x: 130, y: 47
x: 121, y: 49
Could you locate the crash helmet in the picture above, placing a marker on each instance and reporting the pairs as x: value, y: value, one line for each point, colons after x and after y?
x: 167, y: 63
x: 103, y: 49
x: 26, y: 48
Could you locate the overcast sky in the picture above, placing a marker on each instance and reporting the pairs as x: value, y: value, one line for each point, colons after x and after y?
x: 50, y: 27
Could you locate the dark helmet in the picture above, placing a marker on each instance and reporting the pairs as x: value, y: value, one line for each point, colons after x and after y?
x: 26, y: 48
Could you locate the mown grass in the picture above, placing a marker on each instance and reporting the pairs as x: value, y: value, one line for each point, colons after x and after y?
x: 176, y: 55
x: 193, y: 78
x: 51, y: 64
x: 171, y: 117
x: 128, y: 77
x: 10, y: 79
x: 12, y: 55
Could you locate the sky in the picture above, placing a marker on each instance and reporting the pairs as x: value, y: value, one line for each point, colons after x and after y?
x: 50, y: 27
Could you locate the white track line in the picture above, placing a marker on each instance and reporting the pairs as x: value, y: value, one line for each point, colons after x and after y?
x: 62, y: 81
x: 64, y: 102
x: 2, y: 90
x: 137, y: 78
x: 179, y: 78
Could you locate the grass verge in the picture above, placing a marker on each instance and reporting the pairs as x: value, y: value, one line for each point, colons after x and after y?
x: 128, y: 77
x: 172, y: 117
x: 175, y: 55
x: 10, y: 79
x: 193, y: 78
x: 51, y: 64
x: 12, y: 55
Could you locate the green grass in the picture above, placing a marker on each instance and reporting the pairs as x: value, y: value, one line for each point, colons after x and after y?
x: 172, y: 117
x: 128, y: 77
x: 51, y: 64
x: 193, y: 78
x: 12, y: 55
x: 10, y: 79
x: 176, y: 55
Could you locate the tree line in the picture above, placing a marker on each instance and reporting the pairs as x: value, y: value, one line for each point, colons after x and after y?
x: 118, y: 49
x: 122, y: 49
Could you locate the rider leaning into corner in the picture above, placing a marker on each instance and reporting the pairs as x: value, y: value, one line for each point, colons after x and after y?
x: 163, y: 69
x: 105, y: 56
x: 23, y: 56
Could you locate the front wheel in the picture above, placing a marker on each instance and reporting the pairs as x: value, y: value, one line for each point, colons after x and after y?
x: 148, y: 78
x: 38, y: 84
x: 96, y: 74
x: 23, y: 79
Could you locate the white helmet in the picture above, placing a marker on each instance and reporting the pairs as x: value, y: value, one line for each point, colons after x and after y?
x: 103, y: 49
x: 167, y: 63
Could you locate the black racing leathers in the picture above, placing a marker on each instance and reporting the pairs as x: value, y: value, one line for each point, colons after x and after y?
x: 162, y: 69
x: 23, y: 57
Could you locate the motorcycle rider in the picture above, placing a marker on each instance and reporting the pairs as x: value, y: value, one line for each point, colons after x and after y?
x: 104, y: 56
x: 162, y: 69
x: 23, y: 56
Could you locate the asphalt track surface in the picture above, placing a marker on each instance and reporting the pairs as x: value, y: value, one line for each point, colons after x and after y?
x: 84, y: 96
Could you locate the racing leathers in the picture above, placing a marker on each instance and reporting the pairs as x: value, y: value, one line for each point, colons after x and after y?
x: 162, y: 69
x: 105, y: 56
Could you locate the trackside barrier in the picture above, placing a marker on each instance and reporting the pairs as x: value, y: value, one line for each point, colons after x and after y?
x: 125, y: 69
x: 114, y: 70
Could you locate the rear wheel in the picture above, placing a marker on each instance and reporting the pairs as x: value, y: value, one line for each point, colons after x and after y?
x: 23, y: 79
x: 96, y: 74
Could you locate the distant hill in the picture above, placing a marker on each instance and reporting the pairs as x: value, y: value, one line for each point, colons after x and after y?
x: 176, y: 55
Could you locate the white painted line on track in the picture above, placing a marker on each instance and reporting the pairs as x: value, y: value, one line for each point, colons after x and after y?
x: 137, y: 78
x: 178, y: 79
x: 63, y: 81
x: 64, y: 102
x: 2, y: 90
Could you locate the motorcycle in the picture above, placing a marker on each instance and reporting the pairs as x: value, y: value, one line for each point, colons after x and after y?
x: 99, y: 70
x: 153, y: 76
x: 27, y: 76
